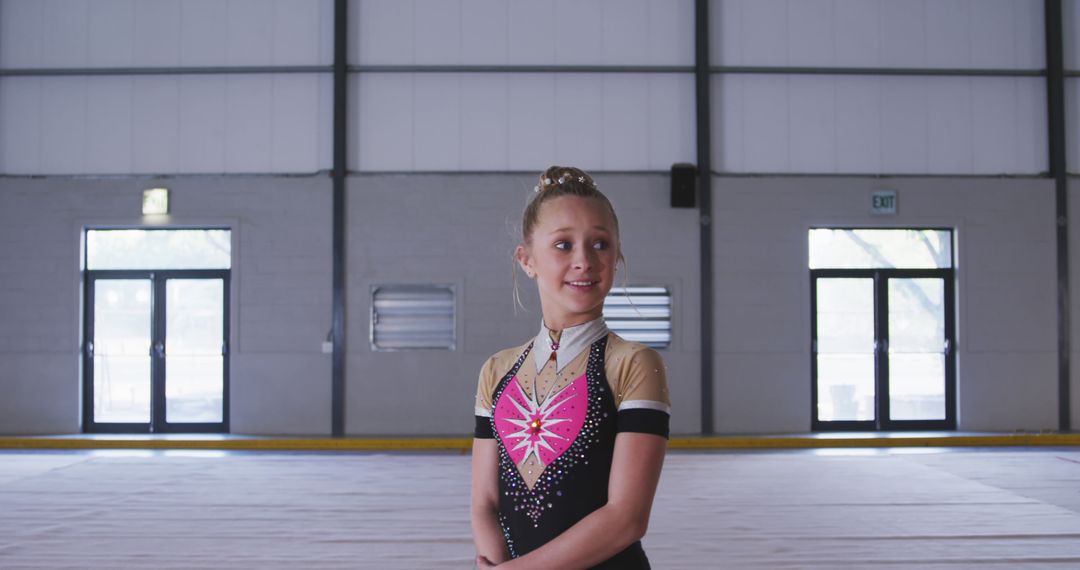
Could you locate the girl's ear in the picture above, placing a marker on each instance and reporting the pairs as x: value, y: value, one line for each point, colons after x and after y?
x: 523, y: 259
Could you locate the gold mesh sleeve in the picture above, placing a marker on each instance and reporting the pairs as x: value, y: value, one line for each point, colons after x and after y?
x: 639, y: 378
x: 485, y: 388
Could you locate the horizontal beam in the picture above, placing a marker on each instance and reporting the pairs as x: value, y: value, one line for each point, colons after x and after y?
x: 876, y: 175
x: 875, y: 71
x: 718, y: 70
x: 223, y: 70
x: 521, y: 68
x: 594, y: 69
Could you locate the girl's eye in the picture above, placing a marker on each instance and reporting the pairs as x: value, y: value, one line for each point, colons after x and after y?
x: 600, y: 244
x: 563, y: 245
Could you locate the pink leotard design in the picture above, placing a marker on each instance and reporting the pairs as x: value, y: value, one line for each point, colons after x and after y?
x: 546, y: 428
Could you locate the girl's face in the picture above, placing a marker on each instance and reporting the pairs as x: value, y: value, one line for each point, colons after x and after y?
x: 572, y: 254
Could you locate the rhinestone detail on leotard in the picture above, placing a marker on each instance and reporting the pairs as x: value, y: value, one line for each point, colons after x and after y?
x: 547, y: 489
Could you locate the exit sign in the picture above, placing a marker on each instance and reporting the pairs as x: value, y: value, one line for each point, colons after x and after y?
x: 883, y: 203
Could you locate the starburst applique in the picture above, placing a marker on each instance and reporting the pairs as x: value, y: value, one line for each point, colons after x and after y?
x: 545, y: 428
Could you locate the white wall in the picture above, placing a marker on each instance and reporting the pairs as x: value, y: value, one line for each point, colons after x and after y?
x: 996, y: 34
x: 460, y: 230
x: 189, y: 124
x: 1006, y: 297
x: 109, y: 135
x: 514, y: 122
x: 866, y: 125
x: 496, y: 32
x: 165, y: 124
x: 280, y: 293
x: 165, y: 33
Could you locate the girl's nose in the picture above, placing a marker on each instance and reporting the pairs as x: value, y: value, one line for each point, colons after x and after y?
x: 584, y: 259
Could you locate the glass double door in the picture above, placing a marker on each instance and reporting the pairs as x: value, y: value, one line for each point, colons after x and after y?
x: 156, y: 354
x: 883, y: 349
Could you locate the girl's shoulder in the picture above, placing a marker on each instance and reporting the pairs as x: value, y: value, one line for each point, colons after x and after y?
x: 621, y: 349
x: 637, y: 375
x: 501, y: 362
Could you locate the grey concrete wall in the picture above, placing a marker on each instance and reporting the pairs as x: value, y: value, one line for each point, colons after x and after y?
x: 461, y: 230
x: 280, y: 292
x: 1006, y: 330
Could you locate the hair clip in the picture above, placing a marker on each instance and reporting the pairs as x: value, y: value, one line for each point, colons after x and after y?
x: 536, y: 188
x: 562, y: 179
x: 547, y: 181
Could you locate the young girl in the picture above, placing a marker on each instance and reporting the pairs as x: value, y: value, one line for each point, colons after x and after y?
x: 571, y: 427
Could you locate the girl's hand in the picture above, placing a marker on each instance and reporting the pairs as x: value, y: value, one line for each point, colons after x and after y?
x: 483, y: 563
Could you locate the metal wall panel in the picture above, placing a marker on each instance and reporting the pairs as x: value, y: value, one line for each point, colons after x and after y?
x: 878, y: 124
x: 488, y: 121
x: 1070, y: 11
x: 164, y: 33
x: 537, y: 32
x: 1072, y: 123
x: 164, y: 124
x: 983, y: 34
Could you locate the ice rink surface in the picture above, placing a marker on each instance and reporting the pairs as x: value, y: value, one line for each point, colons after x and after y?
x: 934, y: 509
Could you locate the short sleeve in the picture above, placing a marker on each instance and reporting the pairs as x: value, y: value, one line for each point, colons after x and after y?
x: 483, y: 408
x: 641, y: 392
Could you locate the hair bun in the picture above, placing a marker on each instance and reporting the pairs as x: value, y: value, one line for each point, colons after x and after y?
x: 564, y: 177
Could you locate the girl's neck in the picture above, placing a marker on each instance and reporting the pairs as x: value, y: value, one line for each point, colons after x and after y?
x: 558, y: 325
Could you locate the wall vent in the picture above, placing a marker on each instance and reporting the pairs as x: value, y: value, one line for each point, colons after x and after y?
x: 408, y: 317
x: 640, y: 313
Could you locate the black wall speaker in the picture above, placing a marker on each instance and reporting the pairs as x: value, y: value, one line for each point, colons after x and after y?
x: 683, y: 186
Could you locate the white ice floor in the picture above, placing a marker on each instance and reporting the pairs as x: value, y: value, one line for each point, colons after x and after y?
x: 876, y: 510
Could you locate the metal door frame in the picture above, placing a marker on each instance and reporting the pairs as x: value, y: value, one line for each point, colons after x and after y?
x: 881, y: 420
x: 157, y: 423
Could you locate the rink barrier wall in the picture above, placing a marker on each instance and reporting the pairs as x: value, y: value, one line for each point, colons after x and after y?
x: 463, y: 444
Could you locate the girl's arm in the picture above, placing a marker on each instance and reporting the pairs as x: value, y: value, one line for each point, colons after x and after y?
x: 487, y: 534
x: 635, y: 472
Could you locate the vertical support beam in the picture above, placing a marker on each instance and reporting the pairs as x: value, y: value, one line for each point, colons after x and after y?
x: 1055, y: 98
x: 704, y: 162
x: 337, y: 390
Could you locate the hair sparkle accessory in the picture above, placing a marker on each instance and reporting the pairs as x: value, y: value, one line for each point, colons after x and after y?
x: 564, y: 178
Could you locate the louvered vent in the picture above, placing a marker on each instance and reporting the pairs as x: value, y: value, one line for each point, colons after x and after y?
x: 406, y: 317
x: 641, y: 314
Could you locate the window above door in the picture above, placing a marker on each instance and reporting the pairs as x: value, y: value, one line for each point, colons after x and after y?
x: 877, y: 248
x: 207, y: 248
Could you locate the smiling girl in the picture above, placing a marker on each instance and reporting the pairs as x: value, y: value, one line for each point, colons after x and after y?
x: 571, y: 427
